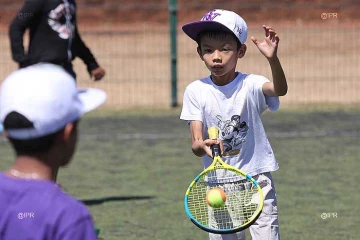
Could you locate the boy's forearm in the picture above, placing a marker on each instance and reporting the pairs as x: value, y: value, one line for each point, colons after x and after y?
x: 84, y: 53
x: 198, y: 148
x: 278, y: 75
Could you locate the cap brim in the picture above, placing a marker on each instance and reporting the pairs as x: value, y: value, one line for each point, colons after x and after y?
x: 194, y: 28
x: 91, y: 98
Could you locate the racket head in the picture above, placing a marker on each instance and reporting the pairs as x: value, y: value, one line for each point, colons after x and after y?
x: 243, y: 205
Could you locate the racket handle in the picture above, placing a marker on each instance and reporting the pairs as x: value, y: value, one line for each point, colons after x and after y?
x: 215, y: 150
x: 214, y: 134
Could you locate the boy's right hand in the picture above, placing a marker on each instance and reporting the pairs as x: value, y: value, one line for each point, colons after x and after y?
x: 199, y: 146
x: 269, y: 46
x: 209, y: 142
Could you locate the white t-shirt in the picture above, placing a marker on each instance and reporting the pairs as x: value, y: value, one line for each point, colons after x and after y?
x: 235, y: 110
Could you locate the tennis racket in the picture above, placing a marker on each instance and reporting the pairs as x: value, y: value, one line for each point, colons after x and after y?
x: 244, y: 197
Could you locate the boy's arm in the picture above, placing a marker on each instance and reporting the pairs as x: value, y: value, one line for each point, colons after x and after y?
x: 199, y: 146
x: 23, y: 19
x: 85, y: 54
x: 278, y: 87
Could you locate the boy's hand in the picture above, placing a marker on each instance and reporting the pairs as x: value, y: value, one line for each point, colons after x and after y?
x: 268, y: 47
x: 209, y: 142
x: 97, y: 74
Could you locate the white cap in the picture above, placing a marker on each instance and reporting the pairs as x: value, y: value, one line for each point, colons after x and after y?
x: 218, y: 20
x: 48, y: 97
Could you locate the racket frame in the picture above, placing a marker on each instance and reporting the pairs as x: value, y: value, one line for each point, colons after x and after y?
x: 218, y: 163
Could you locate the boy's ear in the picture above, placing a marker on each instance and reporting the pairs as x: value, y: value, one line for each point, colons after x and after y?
x: 242, y: 51
x: 199, y: 52
x: 5, y: 135
x: 65, y: 135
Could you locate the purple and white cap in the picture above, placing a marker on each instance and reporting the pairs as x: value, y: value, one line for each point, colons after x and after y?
x: 48, y: 97
x: 218, y: 20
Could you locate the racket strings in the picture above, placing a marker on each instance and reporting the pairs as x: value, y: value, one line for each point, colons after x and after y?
x: 241, y: 200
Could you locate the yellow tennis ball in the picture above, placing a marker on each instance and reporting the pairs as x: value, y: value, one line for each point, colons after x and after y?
x: 216, y: 197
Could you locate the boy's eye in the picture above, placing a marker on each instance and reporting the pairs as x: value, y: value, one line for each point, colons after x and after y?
x: 226, y: 49
x: 207, y: 50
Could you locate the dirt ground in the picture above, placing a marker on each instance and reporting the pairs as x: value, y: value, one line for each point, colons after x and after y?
x: 319, y: 56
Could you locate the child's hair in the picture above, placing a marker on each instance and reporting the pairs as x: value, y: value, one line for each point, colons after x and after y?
x: 15, y: 120
x: 216, y: 34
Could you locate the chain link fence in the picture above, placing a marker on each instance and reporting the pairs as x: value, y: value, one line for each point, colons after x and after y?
x: 318, y: 48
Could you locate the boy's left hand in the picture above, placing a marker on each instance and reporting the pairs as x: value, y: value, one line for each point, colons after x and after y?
x: 268, y: 47
x: 97, y: 74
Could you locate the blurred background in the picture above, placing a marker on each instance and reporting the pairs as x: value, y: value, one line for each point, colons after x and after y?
x: 131, y: 39
x: 134, y: 160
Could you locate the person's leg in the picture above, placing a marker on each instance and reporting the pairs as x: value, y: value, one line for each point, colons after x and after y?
x: 234, y: 236
x: 266, y: 227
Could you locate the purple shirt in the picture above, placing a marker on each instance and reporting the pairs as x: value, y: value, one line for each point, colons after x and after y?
x: 40, y: 210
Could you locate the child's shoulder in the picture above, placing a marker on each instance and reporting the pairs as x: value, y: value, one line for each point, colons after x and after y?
x: 42, y: 196
x: 70, y: 204
x: 254, y: 80
x: 253, y: 77
x: 199, y: 83
x: 246, y: 78
x: 53, y: 195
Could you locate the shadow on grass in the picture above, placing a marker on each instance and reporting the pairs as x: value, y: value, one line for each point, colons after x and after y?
x: 90, y: 202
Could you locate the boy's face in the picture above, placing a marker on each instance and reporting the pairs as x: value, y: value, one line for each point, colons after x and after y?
x: 219, y: 51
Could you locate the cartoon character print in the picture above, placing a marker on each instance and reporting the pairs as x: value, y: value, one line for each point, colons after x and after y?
x: 233, y: 133
x: 59, y: 19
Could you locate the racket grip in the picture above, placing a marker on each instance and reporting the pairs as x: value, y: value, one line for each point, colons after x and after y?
x: 214, y: 134
x: 216, y: 150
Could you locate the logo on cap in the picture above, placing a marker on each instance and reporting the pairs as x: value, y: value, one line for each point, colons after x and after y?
x: 238, y: 30
x: 210, y: 16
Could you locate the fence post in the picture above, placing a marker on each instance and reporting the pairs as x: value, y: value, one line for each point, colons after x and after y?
x: 173, y: 45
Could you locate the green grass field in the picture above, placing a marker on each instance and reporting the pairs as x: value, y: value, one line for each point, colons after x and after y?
x: 132, y: 170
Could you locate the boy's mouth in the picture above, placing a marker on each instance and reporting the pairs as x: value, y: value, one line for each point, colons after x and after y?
x: 217, y: 67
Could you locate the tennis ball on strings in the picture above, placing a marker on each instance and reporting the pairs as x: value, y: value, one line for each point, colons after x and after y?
x: 216, y: 197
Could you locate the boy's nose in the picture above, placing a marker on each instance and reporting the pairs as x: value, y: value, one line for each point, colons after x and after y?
x: 217, y: 56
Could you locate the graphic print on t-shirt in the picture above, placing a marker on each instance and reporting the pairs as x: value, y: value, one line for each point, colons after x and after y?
x: 232, y: 133
x: 60, y: 20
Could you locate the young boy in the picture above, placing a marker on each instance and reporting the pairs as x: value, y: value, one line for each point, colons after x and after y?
x: 54, y: 37
x: 40, y: 108
x: 233, y: 102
